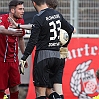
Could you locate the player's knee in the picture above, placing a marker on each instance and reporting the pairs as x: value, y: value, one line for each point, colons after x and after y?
x: 49, y: 91
x: 40, y: 91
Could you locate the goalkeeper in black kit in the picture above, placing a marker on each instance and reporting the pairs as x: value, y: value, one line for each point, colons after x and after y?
x: 45, y: 36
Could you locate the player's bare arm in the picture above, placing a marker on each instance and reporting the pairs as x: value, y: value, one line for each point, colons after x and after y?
x: 22, y: 64
x: 16, y: 25
x: 17, y: 32
x: 28, y: 26
x: 22, y: 48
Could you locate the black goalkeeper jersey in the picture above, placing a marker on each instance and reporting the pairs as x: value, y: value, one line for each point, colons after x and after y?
x: 45, y: 31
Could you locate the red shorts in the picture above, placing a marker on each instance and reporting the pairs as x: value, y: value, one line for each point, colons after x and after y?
x: 9, y: 75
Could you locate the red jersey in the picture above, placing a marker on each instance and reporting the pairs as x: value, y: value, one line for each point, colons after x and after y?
x: 8, y: 44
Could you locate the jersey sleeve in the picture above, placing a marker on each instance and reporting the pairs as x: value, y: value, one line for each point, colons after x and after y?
x: 67, y: 26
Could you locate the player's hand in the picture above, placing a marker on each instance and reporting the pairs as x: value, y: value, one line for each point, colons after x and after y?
x: 15, y: 32
x: 97, y: 74
x: 63, y: 52
x: 14, y: 24
x: 22, y: 64
x: 18, y: 32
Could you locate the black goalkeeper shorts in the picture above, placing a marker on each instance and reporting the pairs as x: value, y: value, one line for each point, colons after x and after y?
x: 46, y: 72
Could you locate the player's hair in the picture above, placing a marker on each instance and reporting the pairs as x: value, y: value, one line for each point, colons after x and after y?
x: 14, y: 3
x: 52, y: 3
x: 39, y: 2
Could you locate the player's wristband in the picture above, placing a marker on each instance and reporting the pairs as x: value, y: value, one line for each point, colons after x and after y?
x: 18, y: 26
x: 23, y: 58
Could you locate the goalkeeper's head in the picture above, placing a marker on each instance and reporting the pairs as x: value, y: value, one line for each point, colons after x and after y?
x: 52, y: 3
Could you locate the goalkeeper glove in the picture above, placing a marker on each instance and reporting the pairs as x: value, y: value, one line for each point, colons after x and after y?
x: 97, y: 73
x: 21, y: 66
x: 63, y: 52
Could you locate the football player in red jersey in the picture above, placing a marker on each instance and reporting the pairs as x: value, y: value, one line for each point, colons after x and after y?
x: 9, y: 71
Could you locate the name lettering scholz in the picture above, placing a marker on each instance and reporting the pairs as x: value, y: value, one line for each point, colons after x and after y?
x: 52, y: 17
